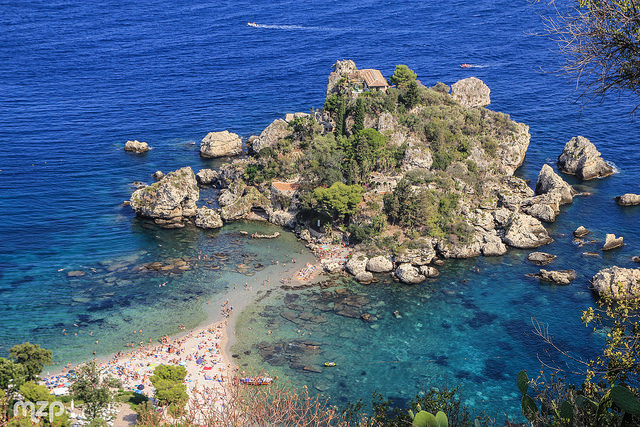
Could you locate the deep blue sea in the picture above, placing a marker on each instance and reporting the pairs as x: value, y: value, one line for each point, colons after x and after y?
x: 79, y: 79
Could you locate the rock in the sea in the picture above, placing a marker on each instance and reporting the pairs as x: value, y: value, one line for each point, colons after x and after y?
x: 242, y: 207
x: 407, y: 273
x: 207, y: 177
x: 357, y: 263
x: 628, y: 199
x: 220, y: 144
x: 380, y: 264
x: 169, y: 200
x: 158, y: 175
x: 276, y: 131
x: 136, y: 146
x: 541, y: 258
x: 580, y: 232
x: 581, y: 158
x: 364, y: 277
x: 525, y: 232
x: 561, y: 277
x: 331, y: 266
x: 429, y: 271
x: 612, y: 242
x: 550, y: 182
x: 471, y: 92
x: 635, y: 259
x: 620, y: 283
x: 207, y: 218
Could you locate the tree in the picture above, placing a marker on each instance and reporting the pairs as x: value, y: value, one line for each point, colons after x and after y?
x: 12, y: 375
x: 92, y: 388
x: 411, y: 95
x: 339, y: 200
x: 35, y: 392
x: 169, y: 384
x: 402, y: 75
x: 358, y: 118
x: 32, y: 357
x: 600, y: 42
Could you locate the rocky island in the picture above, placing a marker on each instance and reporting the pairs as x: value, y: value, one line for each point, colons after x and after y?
x: 408, y: 175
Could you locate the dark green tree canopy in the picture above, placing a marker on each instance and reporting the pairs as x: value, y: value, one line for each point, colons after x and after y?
x: 169, y: 384
x: 339, y: 200
x: 32, y: 357
x: 402, y: 75
x: 11, y: 374
x: 90, y: 387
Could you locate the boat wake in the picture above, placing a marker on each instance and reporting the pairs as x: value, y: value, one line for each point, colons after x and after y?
x: 473, y: 66
x: 289, y: 27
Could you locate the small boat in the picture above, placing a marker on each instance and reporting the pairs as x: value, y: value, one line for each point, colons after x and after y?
x: 256, y: 380
x: 252, y: 24
x: 329, y: 364
x: 465, y: 65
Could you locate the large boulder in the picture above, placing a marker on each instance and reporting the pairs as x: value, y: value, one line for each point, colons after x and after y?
x: 380, y: 264
x: 550, y: 182
x: 541, y: 258
x: 283, y: 218
x: 422, y: 255
x: 620, y: 283
x: 580, y: 232
x: 525, y: 232
x: 207, y: 177
x: 560, y: 277
x: 545, y: 207
x: 207, y: 218
x: 170, y: 200
x: 136, y: 146
x: 471, y: 92
x: 276, y: 131
x: 407, y: 273
x: 628, y: 199
x: 220, y: 144
x: 581, y: 158
x: 612, y: 242
x: 357, y: 263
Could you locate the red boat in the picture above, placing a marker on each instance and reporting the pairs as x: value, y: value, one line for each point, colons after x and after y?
x: 465, y: 65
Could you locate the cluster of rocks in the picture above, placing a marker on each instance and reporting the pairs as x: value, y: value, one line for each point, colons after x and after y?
x: 618, y: 283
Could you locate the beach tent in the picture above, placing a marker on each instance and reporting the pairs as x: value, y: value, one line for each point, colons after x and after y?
x: 60, y: 391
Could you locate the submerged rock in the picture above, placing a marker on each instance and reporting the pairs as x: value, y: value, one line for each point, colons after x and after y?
x: 136, y: 146
x: 580, y: 232
x: 620, y: 283
x: 612, y: 242
x: 581, y: 158
x: 220, y: 144
x: 541, y: 258
x: 628, y: 199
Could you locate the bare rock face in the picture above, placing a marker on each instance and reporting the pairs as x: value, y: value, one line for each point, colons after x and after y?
x: 242, y: 207
x: 525, y: 232
x: 136, y: 146
x: 207, y: 177
x: 364, y: 277
x: 620, y: 283
x: 340, y: 68
x: 169, y: 201
x: 612, y: 242
x: 545, y: 207
x: 429, y: 271
x: 357, y: 263
x: 158, y: 175
x: 580, y: 232
x: 550, y: 182
x: 541, y: 258
x: 220, y: 144
x: 380, y: 264
x: 471, y: 92
x: 407, y: 273
x: 420, y: 256
x: 282, y: 218
x: 276, y: 131
x: 581, y: 158
x: 207, y: 218
x: 416, y: 158
x: 628, y: 199
x: 560, y: 277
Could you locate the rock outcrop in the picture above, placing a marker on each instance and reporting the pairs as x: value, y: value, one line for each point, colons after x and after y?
x: 525, y: 232
x: 158, y: 175
x: 207, y: 177
x: 136, y: 146
x: 242, y: 206
x: 581, y: 158
x: 357, y: 263
x: 207, y: 218
x: 620, y: 283
x: 612, y: 242
x: 550, y: 182
x: 541, y: 258
x: 170, y: 201
x: 220, y: 144
x: 380, y: 264
x: 471, y: 92
x: 276, y: 131
x: 580, y: 232
x: 628, y: 199
x: 407, y: 273
x: 416, y: 158
x: 560, y: 277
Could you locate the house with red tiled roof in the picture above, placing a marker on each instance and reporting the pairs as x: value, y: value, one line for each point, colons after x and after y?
x: 373, y: 79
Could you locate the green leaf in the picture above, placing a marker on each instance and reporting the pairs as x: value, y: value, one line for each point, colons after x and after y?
x: 424, y: 419
x: 523, y: 382
x: 566, y: 411
x: 441, y: 419
x: 476, y: 423
x: 625, y: 399
x: 529, y: 408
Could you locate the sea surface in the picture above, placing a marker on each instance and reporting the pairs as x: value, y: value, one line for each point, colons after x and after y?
x: 79, y: 79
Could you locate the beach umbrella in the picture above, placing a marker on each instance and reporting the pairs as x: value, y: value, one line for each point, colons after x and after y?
x: 141, y: 387
x: 200, y: 361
